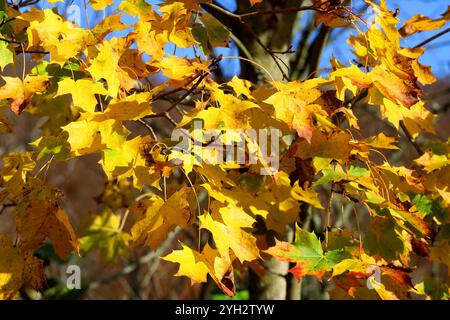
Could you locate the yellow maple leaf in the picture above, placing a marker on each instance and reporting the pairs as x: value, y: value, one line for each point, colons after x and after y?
x: 84, y: 136
x: 132, y: 107
x: 11, y: 269
x: 349, y: 78
x: 109, y: 24
x: 106, y: 66
x: 431, y: 162
x: 6, y: 54
x: 21, y: 92
x: 227, y: 226
x: 294, y: 105
x: 83, y: 92
x: 380, y: 141
x: 119, y: 159
x: 275, y: 204
x: 240, y: 86
x: 139, y: 8
x: 191, y: 264
x: 197, y: 266
x: 104, y: 233
x: 420, y: 23
x: 52, y: 32
x: 396, y: 70
x: 18, y: 269
x: 175, y: 19
x: 307, y: 195
x: 150, y: 41
x: 395, y: 88
x: 131, y: 61
x: 159, y: 218
x: 176, y: 68
x: 100, y: 4
x: 232, y: 114
x: 335, y: 145
x: 253, y: 2
x: 39, y: 217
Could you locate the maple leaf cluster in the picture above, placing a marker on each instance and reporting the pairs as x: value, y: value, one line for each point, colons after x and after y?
x: 89, y: 84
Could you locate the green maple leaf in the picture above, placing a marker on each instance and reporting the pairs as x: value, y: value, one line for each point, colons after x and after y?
x: 307, y: 253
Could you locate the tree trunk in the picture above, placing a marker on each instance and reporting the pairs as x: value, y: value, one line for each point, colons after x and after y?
x: 264, y: 37
x: 270, y: 33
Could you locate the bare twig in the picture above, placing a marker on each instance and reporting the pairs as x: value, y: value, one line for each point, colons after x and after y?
x: 149, y: 128
x: 21, y: 50
x: 244, y: 16
x: 199, y: 77
x: 18, y: 50
x: 240, y: 18
x: 433, y: 38
x: 10, y: 41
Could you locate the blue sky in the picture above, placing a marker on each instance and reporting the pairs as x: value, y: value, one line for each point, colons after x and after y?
x: 437, y: 54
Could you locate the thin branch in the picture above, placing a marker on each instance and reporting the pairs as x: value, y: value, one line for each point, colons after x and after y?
x: 86, y: 14
x: 287, y: 51
x: 241, y: 46
x: 168, y: 93
x: 243, y: 16
x: 200, y: 77
x: 179, y: 100
x: 268, y: 51
x: 410, y: 138
x: 240, y: 18
x: 149, y: 128
x: 169, y: 117
x: 203, y: 75
x: 432, y: 38
x: 5, y: 21
x: 18, y: 50
x: 10, y: 41
x: 281, y: 10
x: 22, y: 4
x: 362, y: 94
x: 315, y: 51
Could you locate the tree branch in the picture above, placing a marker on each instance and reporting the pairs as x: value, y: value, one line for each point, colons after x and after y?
x: 244, y: 16
x: 433, y: 38
x: 410, y: 138
x: 20, y: 50
x: 235, y: 21
x: 199, y: 78
x: 314, y: 52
